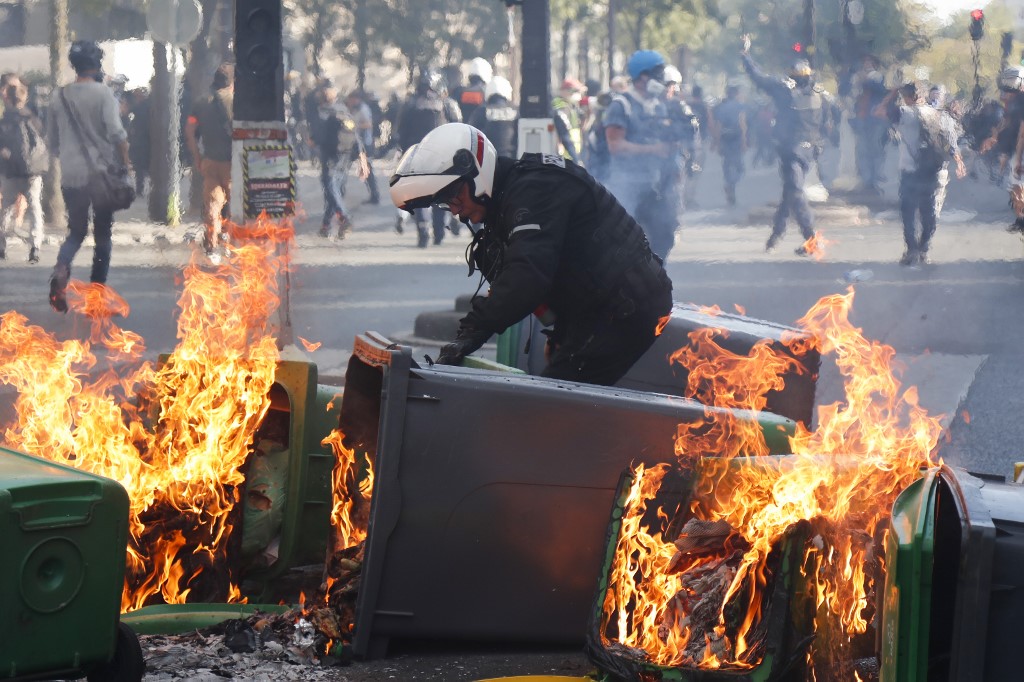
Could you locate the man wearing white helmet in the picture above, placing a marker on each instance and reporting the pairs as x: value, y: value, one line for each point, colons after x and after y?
x: 554, y: 242
x: 473, y: 96
x: 498, y: 119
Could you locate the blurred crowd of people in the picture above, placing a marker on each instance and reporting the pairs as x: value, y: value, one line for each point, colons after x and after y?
x: 646, y: 136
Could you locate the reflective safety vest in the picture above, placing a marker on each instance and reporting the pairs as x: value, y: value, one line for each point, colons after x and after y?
x: 571, y: 117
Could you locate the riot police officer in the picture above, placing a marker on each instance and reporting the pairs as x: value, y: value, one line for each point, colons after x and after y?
x: 638, y: 157
x: 472, y: 97
x: 498, y: 119
x: 730, y: 135
x: 681, y: 130
x: 554, y: 241
x: 803, y: 110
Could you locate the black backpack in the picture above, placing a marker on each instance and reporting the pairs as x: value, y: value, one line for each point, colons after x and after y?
x: 29, y: 155
x: 933, y: 147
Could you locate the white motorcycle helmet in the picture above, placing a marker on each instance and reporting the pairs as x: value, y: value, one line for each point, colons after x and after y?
x: 498, y: 86
x: 429, y: 173
x: 481, y: 68
x: 672, y: 75
x: 1012, y: 79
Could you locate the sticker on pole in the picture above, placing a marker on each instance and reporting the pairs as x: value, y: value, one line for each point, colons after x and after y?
x: 268, y: 180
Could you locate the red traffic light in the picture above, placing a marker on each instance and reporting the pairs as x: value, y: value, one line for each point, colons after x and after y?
x: 977, y: 28
x: 797, y: 47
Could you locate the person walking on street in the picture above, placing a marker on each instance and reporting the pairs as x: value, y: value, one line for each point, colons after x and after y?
x: 928, y: 140
x: 362, y: 115
x: 554, y: 241
x: 568, y: 120
x: 85, y: 119
x: 870, y: 132
x: 24, y: 159
x: 429, y: 108
x: 1007, y: 139
x: 730, y: 138
x: 208, y: 133
x: 802, y: 108
x: 336, y: 141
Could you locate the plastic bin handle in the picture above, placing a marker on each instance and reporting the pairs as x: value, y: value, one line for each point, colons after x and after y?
x: 54, y: 513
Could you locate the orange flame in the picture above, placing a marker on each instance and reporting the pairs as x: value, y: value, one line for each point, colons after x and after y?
x: 352, y: 493
x: 815, y: 246
x: 310, y: 345
x: 844, y: 475
x: 174, y: 436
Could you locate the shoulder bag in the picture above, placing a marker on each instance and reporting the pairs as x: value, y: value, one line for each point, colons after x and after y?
x: 110, y: 188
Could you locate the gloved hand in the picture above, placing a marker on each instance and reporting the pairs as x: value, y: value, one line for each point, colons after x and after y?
x: 466, y: 341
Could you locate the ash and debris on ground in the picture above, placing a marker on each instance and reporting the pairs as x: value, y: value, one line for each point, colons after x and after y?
x: 313, y: 642
x: 279, y: 654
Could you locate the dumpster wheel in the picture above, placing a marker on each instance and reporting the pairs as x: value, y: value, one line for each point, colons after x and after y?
x: 127, y: 665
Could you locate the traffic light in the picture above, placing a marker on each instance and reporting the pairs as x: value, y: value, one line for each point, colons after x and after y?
x: 977, y: 24
x: 259, y: 70
x: 798, y: 48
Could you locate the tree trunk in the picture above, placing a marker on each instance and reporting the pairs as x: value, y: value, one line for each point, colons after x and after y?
x: 612, y: 11
x: 53, y: 200
x: 362, y: 43
x: 566, y: 27
x: 203, y: 57
x: 160, y: 119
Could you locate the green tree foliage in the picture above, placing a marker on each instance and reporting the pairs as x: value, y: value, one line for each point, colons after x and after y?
x: 949, y: 59
x: 703, y: 35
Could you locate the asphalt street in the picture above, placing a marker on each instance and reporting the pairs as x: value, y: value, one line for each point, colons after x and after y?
x: 956, y: 325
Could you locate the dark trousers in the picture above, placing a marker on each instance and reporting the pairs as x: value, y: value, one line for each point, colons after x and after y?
x: 793, y: 167
x: 658, y: 215
x: 371, y: 181
x: 438, y: 219
x: 602, y: 353
x: 731, y: 147
x: 333, y: 174
x: 917, y: 194
x: 77, y: 201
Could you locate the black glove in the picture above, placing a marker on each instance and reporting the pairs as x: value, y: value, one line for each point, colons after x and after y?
x: 466, y: 341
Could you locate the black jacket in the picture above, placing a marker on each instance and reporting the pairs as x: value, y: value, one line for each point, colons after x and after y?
x: 555, y: 237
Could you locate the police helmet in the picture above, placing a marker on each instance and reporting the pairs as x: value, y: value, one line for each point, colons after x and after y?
x: 480, y: 68
x: 498, y: 86
x: 672, y: 75
x: 430, y: 172
x: 1012, y: 79
x: 85, y: 55
x: 432, y: 80
x: 642, y: 61
x: 801, y: 69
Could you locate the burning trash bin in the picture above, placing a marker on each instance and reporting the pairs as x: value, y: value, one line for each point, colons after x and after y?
x: 658, y: 372
x: 766, y: 634
x: 491, y: 492
x: 64, y: 537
